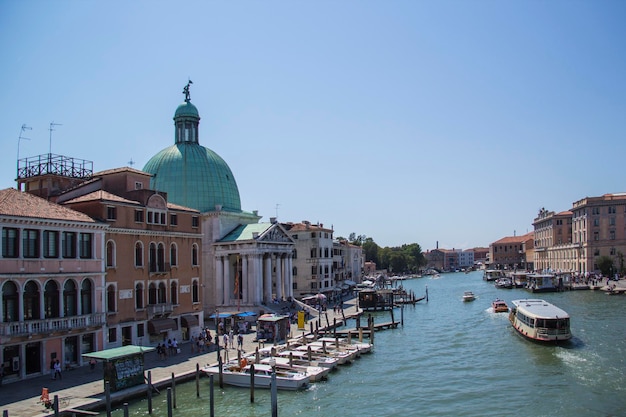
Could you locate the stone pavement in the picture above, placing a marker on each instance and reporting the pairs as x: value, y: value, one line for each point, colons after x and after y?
x: 85, y: 388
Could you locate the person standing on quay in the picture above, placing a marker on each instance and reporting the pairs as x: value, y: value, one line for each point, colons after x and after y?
x: 57, y: 370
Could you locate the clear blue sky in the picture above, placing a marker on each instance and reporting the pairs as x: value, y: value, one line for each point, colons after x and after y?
x: 405, y: 121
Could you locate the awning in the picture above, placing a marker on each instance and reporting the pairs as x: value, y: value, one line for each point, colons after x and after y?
x: 246, y: 314
x: 189, y: 321
x: 120, y: 352
x: 161, y: 325
x: 220, y: 315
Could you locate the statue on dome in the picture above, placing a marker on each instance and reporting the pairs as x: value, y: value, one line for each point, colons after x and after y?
x: 186, y: 91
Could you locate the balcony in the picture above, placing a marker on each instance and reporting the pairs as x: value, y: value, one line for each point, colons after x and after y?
x: 160, y: 309
x: 53, y: 325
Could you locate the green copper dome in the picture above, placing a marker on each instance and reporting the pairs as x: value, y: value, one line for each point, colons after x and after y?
x: 192, y: 175
x: 187, y: 109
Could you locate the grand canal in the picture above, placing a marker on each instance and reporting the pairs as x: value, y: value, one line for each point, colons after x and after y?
x: 456, y: 359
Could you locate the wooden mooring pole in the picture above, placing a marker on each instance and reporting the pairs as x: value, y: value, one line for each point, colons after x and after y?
x: 149, y: 392
x: 173, y: 390
x: 197, y: 380
x: 107, y: 393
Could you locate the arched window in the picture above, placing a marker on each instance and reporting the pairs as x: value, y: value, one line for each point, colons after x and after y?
x: 70, y: 299
x: 139, y: 254
x: 31, y: 301
x: 51, y: 299
x: 110, y: 254
x: 86, y: 295
x: 10, y: 302
x: 173, y: 254
x: 139, y: 296
x: 195, y: 291
x: 111, y: 308
x: 161, y: 258
x: 194, y: 255
x: 173, y: 293
x: 162, y: 293
x: 152, y: 294
x: 152, y: 257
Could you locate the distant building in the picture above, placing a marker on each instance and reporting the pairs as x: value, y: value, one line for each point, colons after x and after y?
x: 347, y: 262
x: 152, y: 258
x: 312, y: 257
x: 511, y: 252
x: 598, y: 229
x: 553, y: 248
x: 52, y: 282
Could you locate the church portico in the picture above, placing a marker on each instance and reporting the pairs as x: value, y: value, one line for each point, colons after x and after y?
x: 253, y: 266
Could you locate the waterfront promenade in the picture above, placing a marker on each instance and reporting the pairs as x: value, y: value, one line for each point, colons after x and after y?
x: 85, y: 388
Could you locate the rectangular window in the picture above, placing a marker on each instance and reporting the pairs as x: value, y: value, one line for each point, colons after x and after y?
x: 612, y: 234
x: 140, y: 330
x: 50, y: 244
x: 173, y: 219
x: 194, y: 221
x: 138, y: 185
x: 150, y: 217
x: 30, y: 243
x: 10, y: 243
x: 85, y: 246
x: 139, y: 216
x: 111, y: 213
x: 112, y: 335
x: 68, y: 245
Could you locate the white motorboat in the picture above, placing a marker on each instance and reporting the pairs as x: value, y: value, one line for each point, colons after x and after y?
x: 315, y: 373
x: 233, y: 374
x: 316, y: 360
x: 362, y: 347
x: 468, y: 296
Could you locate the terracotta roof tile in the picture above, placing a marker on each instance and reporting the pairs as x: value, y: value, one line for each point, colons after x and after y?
x: 22, y: 204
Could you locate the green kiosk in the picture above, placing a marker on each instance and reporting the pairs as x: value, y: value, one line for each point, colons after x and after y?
x: 123, y: 366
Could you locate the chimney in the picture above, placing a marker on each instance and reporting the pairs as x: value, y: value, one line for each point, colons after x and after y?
x: 272, y: 220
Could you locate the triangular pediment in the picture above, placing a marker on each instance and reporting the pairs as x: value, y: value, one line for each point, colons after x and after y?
x: 275, y: 233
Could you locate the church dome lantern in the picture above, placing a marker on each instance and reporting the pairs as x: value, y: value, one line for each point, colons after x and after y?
x: 192, y: 175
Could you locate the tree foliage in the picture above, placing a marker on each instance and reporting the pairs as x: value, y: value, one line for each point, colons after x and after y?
x: 407, y: 258
x: 605, y: 264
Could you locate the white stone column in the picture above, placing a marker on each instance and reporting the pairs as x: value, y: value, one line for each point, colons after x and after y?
x: 258, y: 278
x: 279, y: 277
x: 227, y: 289
x: 244, y: 281
x: 268, y: 279
x: 219, y: 280
x: 289, y: 276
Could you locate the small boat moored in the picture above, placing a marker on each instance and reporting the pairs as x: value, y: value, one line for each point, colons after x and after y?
x: 239, y: 376
x: 540, y: 321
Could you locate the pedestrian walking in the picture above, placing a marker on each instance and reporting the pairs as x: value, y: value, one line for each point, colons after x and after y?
x: 231, y: 338
x: 225, y: 341
x: 240, y: 341
x: 57, y: 370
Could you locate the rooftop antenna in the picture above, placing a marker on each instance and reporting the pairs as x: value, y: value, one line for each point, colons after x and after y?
x: 19, y: 139
x: 277, y: 205
x: 52, y: 125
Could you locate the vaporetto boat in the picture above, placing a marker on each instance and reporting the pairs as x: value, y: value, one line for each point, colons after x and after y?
x: 539, y: 320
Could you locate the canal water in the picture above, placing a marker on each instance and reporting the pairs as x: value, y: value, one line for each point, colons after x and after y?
x: 455, y: 358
